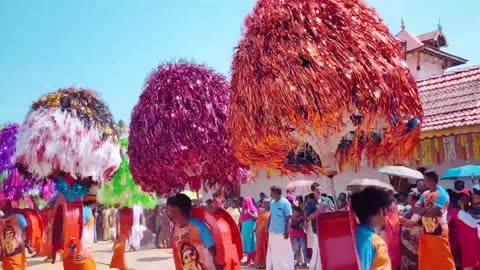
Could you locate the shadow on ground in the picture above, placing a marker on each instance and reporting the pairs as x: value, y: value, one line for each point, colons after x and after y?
x: 153, y: 259
x: 31, y: 263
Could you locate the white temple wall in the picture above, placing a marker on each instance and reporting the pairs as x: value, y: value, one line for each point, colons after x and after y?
x: 261, y: 183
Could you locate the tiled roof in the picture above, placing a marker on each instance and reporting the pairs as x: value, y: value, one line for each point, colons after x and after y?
x: 451, y: 100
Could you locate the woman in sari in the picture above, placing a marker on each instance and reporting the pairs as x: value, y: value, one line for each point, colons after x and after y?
x: 392, y: 234
x: 410, y: 233
x: 467, y: 223
x: 165, y: 229
x: 262, y: 236
x: 105, y: 223
x: 248, y: 219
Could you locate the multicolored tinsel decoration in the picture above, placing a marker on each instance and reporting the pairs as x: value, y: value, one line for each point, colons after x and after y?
x: 14, y: 186
x: 16, y: 189
x: 122, y: 191
x: 177, y: 135
x: 73, y: 191
x: 314, y: 71
x: 69, y: 131
x: 8, y: 138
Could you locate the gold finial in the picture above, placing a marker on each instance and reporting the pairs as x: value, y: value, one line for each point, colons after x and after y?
x: 402, y: 24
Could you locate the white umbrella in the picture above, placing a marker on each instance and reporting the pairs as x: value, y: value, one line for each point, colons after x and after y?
x: 401, y: 171
x: 359, y: 184
x: 299, y: 183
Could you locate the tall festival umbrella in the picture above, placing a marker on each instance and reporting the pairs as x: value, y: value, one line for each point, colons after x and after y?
x: 177, y: 135
x: 323, y: 79
x: 178, y: 139
x: 69, y: 135
x: 122, y: 191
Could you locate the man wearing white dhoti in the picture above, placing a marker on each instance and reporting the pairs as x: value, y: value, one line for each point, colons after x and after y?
x: 314, y: 207
x: 279, y: 252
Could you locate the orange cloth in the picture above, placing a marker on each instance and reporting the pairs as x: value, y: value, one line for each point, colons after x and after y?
x: 46, y: 242
x: 118, y: 258
x: 86, y: 264
x: 262, y: 239
x: 15, y: 262
x: 13, y: 250
x: 434, y: 253
x: 382, y: 259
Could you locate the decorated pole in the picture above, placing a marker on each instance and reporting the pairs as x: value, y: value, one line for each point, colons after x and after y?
x: 124, y: 193
x: 177, y: 139
x: 69, y: 135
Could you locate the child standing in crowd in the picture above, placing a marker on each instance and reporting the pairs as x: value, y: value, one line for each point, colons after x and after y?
x: 298, y: 235
x: 369, y: 206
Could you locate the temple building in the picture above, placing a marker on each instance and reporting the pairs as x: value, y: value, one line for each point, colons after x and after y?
x: 450, y: 134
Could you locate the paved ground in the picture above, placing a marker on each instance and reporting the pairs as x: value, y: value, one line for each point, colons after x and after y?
x: 152, y: 259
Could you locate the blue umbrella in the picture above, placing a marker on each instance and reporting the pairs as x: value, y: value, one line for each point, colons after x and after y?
x: 467, y: 171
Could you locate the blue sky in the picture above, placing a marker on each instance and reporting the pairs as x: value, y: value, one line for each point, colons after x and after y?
x: 112, y: 45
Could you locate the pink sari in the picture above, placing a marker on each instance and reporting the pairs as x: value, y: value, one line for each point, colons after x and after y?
x: 392, y: 235
x: 248, y: 204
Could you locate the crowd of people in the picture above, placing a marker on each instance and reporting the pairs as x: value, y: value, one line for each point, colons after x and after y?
x: 428, y: 227
x: 151, y: 227
x: 282, y: 225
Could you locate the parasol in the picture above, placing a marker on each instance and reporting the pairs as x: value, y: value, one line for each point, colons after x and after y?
x: 122, y: 191
x: 320, y: 74
x: 299, y: 184
x: 193, y: 195
x: 70, y: 131
x: 359, y: 184
x: 401, y: 171
x: 177, y: 135
x: 464, y: 172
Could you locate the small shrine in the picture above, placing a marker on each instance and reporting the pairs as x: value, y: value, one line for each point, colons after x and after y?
x: 424, y: 54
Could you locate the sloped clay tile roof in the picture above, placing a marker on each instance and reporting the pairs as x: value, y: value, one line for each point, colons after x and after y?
x: 451, y: 100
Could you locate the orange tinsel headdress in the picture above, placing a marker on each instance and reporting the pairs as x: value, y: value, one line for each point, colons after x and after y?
x: 322, y: 72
